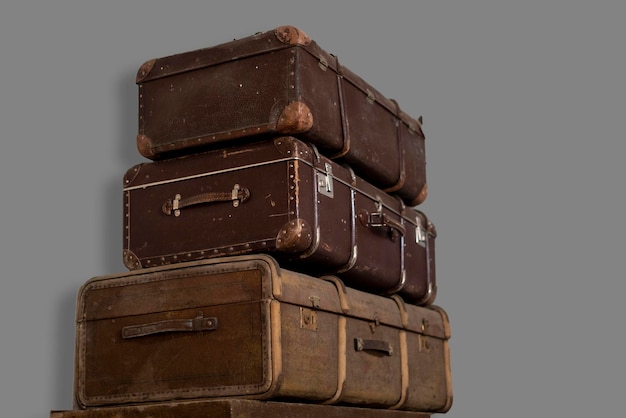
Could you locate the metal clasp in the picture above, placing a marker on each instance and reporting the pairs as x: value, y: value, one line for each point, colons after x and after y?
x: 420, y: 234
x: 175, y: 207
x: 235, y: 195
x: 325, y: 181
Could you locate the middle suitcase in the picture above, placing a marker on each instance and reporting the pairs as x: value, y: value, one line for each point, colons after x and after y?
x: 280, y: 197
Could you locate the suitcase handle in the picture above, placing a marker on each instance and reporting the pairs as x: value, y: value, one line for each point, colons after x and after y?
x: 237, y: 195
x: 381, y: 220
x: 196, y: 324
x: 362, y: 344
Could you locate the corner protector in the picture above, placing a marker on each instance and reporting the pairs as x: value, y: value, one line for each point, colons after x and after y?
x: 294, y: 237
x: 421, y: 196
x: 296, y: 117
x: 131, y: 261
x: 144, y: 147
x: 290, y: 35
x: 131, y: 174
x: 145, y: 70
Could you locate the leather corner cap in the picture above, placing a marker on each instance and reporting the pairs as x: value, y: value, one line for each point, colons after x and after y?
x: 295, y: 236
x: 291, y: 35
x: 295, y: 118
x: 144, y: 146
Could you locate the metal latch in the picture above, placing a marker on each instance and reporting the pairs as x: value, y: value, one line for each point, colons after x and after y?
x: 308, y: 319
x: 325, y: 181
x: 323, y: 64
x: 420, y: 234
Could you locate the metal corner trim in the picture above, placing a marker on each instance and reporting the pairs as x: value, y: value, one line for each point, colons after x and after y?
x: 131, y: 261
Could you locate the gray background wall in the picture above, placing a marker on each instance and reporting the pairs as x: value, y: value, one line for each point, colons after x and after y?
x: 524, y: 106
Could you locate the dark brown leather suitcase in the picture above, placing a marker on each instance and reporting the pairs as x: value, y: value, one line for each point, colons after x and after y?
x: 244, y: 327
x: 233, y: 408
x: 279, y: 82
x: 280, y: 197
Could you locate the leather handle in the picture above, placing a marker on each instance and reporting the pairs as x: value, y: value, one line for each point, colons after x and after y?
x: 237, y: 195
x: 381, y: 220
x: 362, y: 344
x: 196, y: 324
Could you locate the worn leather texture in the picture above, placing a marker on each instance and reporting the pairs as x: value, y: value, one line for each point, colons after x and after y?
x: 245, y: 327
x: 278, y: 196
x: 276, y: 84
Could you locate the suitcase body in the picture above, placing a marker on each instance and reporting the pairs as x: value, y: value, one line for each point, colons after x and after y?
x: 233, y: 408
x: 243, y: 327
x: 281, y: 197
x: 279, y: 82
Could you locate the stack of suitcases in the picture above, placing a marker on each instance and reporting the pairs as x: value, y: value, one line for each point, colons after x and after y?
x: 278, y: 265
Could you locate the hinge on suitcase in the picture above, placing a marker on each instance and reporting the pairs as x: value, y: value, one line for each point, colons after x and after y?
x: 323, y: 64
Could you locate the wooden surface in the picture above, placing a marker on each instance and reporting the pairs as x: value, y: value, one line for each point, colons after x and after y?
x: 231, y: 408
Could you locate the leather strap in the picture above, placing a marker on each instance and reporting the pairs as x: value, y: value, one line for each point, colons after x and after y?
x: 172, y: 325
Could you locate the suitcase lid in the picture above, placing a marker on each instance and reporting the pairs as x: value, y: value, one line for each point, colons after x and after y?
x: 216, y: 161
x: 281, y: 37
x: 155, y: 173
x: 159, y: 289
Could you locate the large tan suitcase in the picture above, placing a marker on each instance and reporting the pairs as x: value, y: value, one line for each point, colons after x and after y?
x: 243, y: 327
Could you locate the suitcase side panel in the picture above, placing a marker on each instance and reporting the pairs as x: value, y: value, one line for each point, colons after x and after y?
x: 374, y: 151
x: 203, y: 347
x: 176, y: 369
x: 174, y: 110
x: 411, y: 187
x: 420, y: 287
x: 309, y: 343
x: 275, y: 92
x: 258, y: 348
x: 430, y: 381
x: 213, y: 229
x: 381, y: 340
x: 280, y: 215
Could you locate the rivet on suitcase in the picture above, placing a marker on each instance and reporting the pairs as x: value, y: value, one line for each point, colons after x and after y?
x: 280, y: 197
x: 279, y: 82
x: 244, y: 327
